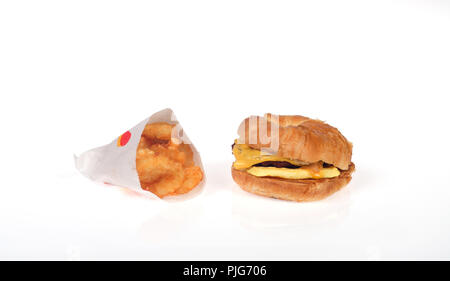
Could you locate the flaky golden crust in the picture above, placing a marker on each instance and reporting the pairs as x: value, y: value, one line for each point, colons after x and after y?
x: 293, y: 190
x: 300, y: 138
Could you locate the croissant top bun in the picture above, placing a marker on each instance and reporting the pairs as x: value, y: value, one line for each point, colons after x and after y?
x: 300, y: 138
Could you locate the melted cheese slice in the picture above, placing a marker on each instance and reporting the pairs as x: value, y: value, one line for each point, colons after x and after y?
x: 247, y: 157
x: 298, y: 173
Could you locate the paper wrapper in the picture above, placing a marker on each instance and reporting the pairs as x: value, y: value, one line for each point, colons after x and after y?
x: 115, y: 163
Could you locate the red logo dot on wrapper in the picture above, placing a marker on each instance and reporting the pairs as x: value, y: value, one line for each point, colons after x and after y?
x: 123, y: 139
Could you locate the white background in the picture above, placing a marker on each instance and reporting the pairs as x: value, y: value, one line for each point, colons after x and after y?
x: 76, y: 74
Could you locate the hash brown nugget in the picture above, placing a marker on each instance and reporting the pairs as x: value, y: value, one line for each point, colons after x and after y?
x: 165, y: 166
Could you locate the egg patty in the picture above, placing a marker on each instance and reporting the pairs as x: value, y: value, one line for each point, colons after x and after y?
x: 250, y: 159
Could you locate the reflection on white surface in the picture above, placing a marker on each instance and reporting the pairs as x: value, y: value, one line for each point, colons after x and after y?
x: 255, y: 211
x: 373, y: 252
x: 73, y: 253
x: 171, y: 222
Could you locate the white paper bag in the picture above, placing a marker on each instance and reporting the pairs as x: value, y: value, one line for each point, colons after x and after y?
x: 115, y: 163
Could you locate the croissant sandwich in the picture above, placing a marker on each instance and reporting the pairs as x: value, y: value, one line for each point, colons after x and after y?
x: 291, y: 157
